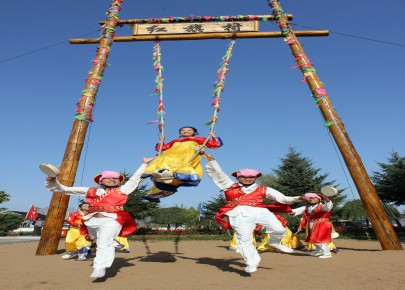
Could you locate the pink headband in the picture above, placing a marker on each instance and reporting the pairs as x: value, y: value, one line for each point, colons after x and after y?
x: 247, y: 172
x: 310, y: 194
x: 108, y: 174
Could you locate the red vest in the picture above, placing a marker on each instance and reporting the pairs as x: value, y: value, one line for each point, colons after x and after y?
x: 112, y: 201
x: 321, y: 230
x: 235, y: 196
x: 75, y: 219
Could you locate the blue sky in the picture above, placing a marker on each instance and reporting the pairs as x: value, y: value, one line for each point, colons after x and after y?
x: 264, y: 110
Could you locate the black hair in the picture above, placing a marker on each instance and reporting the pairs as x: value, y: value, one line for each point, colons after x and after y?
x: 195, y: 130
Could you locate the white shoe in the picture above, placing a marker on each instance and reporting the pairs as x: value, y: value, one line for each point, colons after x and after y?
x: 98, y: 273
x: 69, y: 256
x: 316, y: 254
x: 325, y: 256
x: 165, y: 176
x: 81, y: 258
x: 251, y: 268
x: 281, y: 248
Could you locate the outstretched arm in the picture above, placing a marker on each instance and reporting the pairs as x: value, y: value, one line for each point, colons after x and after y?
x: 53, y: 185
x: 281, y: 198
x: 298, y: 211
x: 214, y: 171
x: 134, y: 181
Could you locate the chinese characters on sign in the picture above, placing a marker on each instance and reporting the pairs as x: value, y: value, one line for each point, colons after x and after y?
x: 208, y: 27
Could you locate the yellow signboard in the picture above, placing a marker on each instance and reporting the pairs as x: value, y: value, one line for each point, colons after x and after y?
x: 192, y: 27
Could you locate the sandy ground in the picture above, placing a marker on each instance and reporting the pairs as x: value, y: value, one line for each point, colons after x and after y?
x: 205, y: 265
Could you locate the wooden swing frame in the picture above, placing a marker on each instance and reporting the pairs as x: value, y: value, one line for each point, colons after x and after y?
x: 50, y: 237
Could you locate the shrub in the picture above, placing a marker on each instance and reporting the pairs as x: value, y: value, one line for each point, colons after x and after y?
x: 9, y: 222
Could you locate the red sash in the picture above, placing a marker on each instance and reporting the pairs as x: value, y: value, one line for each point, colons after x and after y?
x: 321, y: 230
x: 112, y: 201
x: 236, y: 196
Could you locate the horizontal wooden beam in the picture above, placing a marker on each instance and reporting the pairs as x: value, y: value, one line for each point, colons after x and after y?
x: 268, y: 17
x: 201, y: 36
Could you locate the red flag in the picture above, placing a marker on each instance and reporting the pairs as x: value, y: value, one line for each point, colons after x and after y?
x: 32, y: 214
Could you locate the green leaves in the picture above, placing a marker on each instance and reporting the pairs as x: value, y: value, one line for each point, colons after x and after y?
x: 389, y: 181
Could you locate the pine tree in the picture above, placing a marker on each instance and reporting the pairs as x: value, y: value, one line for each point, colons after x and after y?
x: 136, y: 205
x: 8, y: 221
x: 390, y: 181
x: 354, y: 210
x: 297, y: 175
x: 212, y: 206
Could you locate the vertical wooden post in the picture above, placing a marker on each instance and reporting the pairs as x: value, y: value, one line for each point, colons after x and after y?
x: 381, y: 224
x: 50, y: 236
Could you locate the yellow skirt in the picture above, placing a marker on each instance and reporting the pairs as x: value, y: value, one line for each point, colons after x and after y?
x: 123, y: 241
x: 311, y: 247
x: 177, y: 160
x: 75, y: 241
x: 290, y: 240
x: 234, y: 245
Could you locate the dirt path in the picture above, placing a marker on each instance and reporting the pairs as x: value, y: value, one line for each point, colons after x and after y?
x: 206, y: 265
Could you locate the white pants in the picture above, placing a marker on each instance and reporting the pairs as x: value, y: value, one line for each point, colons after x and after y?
x: 244, y: 225
x: 105, y: 229
x: 322, y: 248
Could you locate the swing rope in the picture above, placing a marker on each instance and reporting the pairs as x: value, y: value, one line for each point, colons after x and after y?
x: 159, y: 91
x: 219, y: 88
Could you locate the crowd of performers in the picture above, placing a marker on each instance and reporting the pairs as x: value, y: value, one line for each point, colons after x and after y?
x: 102, y: 225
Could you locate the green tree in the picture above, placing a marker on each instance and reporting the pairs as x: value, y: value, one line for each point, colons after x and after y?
x: 136, y: 205
x: 389, y: 181
x: 8, y: 221
x: 175, y: 216
x: 296, y: 175
x: 354, y: 210
x: 3, y: 198
x: 212, y: 206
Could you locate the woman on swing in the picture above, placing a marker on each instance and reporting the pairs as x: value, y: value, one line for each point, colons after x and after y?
x: 179, y: 163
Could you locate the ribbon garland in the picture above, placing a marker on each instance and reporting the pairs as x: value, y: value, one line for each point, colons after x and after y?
x: 220, y: 83
x: 85, y: 112
x: 319, y: 94
x: 157, y: 64
x: 193, y: 18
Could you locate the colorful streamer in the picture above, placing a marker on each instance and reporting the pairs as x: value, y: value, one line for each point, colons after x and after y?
x: 85, y: 105
x: 157, y: 64
x: 220, y: 83
x: 319, y: 94
x: 193, y: 18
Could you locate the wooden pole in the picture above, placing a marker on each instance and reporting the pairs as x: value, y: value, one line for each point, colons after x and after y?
x: 50, y: 236
x: 201, y: 36
x: 373, y: 206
